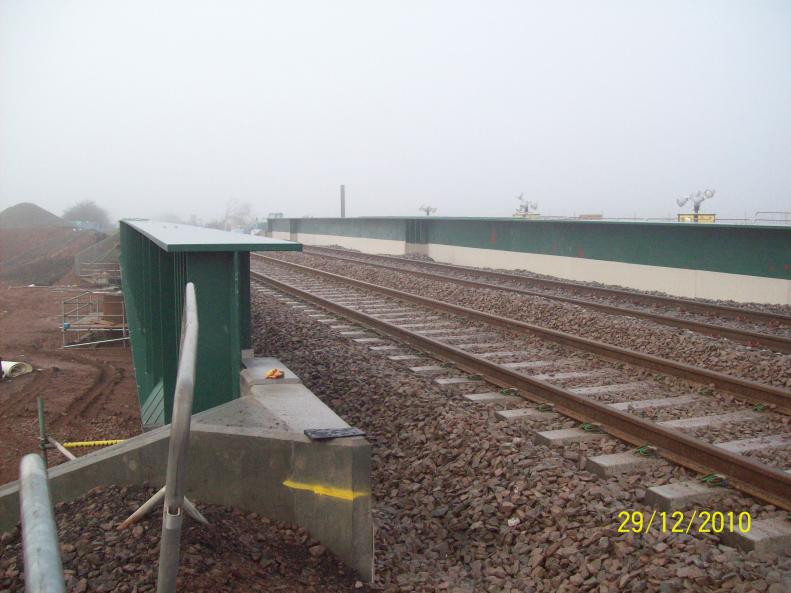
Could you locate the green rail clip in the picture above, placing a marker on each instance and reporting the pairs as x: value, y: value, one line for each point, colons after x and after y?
x: 717, y: 480
x: 646, y: 451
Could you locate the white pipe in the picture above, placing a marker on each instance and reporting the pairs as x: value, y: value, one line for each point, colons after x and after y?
x: 14, y: 369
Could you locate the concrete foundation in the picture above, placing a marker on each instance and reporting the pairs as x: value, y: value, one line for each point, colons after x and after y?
x: 250, y: 453
x: 521, y: 413
x: 678, y: 495
x: 765, y: 535
x: 492, y: 397
x: 617, y: 463
x: 557, y: 438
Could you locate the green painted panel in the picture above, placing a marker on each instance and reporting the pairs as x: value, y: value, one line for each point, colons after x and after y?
x: 755, y: 251
x: 153, y: 281
x: 750, y: 250
x: 370, y: 228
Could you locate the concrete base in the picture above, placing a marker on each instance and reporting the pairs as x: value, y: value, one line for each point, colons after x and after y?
x: 492, y: 397
x: 431, y: 369
x: 661, y: 402
x: 678, y: 495
x: 451, y: 381
x: 249, y: 454
x: 713, y: 420
x: 618, y: 388
x: 617, y: 463
x: 521, y: 413
x: 256, y: 369
x: 556, y: 438
x: 765, y: 535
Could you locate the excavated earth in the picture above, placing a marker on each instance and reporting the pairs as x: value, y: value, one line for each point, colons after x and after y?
x: 464, y: 502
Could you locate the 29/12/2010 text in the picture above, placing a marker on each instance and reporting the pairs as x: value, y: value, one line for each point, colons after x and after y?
x: 681, y: 522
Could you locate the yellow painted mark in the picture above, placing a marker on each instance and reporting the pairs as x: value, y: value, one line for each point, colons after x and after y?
x: 92, y: 443
x: 342, y: 493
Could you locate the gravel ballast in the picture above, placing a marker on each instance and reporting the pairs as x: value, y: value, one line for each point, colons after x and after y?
x: 237, y: 552
x: 466, y: 502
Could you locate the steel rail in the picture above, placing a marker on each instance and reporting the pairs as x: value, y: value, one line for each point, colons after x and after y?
x: 771, y: 485
x: 778, y: 343
x: 737, y: 313
x: 744, y: 388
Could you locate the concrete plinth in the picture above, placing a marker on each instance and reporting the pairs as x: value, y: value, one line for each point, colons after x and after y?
x: 765, y: 535
x: 493, y: 397
x: 617, y: 463
x: 429, y: 369
x: 557, y: 438
x: 713, y: 420
x: 617, y: 388
x: 522, y: 413
x: 451, y: 381
x: 671, y: 497
x: 255, y: 371
x: 661, y: 402
x: 249, y: 454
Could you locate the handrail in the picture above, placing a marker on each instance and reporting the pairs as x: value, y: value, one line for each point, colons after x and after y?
x: 40, y: 548
x: 172, y: 515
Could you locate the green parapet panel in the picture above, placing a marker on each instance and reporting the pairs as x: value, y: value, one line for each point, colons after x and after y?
x: 157, y: 261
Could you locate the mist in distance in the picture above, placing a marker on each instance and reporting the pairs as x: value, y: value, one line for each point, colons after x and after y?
x: 610, y: 107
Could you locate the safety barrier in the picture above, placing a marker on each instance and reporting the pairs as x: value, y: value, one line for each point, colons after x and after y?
x: 40, y: 548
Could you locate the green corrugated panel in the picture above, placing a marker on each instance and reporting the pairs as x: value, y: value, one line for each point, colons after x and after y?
x: 157, y: 261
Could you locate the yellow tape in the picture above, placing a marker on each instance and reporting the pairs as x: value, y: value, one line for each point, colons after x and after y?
x: 92, y: 443
x: 342, y: 493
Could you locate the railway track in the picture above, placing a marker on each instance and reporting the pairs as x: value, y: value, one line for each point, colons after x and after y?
x: 636, y: 406
x: 772, y: 325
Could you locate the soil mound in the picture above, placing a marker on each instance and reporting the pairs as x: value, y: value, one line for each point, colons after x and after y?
x: 26, y: 215
x: 40, y: 255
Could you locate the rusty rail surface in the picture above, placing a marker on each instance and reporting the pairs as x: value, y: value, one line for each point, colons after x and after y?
x: 751, y: 338
x: 752, y: 391
x: 737, y: 313
x: 771, y: 485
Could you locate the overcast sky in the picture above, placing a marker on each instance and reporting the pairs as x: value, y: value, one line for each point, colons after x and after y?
x: 620, y: 107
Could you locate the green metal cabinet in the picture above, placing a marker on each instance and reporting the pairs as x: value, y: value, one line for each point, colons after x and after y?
x: 157, y: 261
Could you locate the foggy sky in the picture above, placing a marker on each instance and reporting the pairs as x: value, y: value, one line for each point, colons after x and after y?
x: 610, y: 106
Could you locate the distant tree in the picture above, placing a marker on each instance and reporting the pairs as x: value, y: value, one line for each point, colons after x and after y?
x: 87, y: 211
x: 237, y: 214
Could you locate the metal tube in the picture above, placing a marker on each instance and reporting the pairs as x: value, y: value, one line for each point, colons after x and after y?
x: 40, y: 548
x: 172, y: 515
x: 42, y: 431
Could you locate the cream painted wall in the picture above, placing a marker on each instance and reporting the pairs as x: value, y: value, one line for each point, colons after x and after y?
x: 364, y: 244
x: 673, y: 281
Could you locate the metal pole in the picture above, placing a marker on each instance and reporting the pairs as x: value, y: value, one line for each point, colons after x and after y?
x: 40, y: 548
x: 175, y: 485
x: 343, y: 201
x: 42, y: 431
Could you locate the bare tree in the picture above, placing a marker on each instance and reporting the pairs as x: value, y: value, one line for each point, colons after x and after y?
x: 87, y: 211
x: 237, y: 214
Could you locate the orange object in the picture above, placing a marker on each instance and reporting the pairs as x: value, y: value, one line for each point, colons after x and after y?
x: 274, y: 374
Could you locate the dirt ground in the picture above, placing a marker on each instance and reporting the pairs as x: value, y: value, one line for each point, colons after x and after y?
x: 89, y: 394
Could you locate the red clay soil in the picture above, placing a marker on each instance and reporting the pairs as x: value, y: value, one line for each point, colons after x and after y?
x: 89, y: 393
x: 40, y: 255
